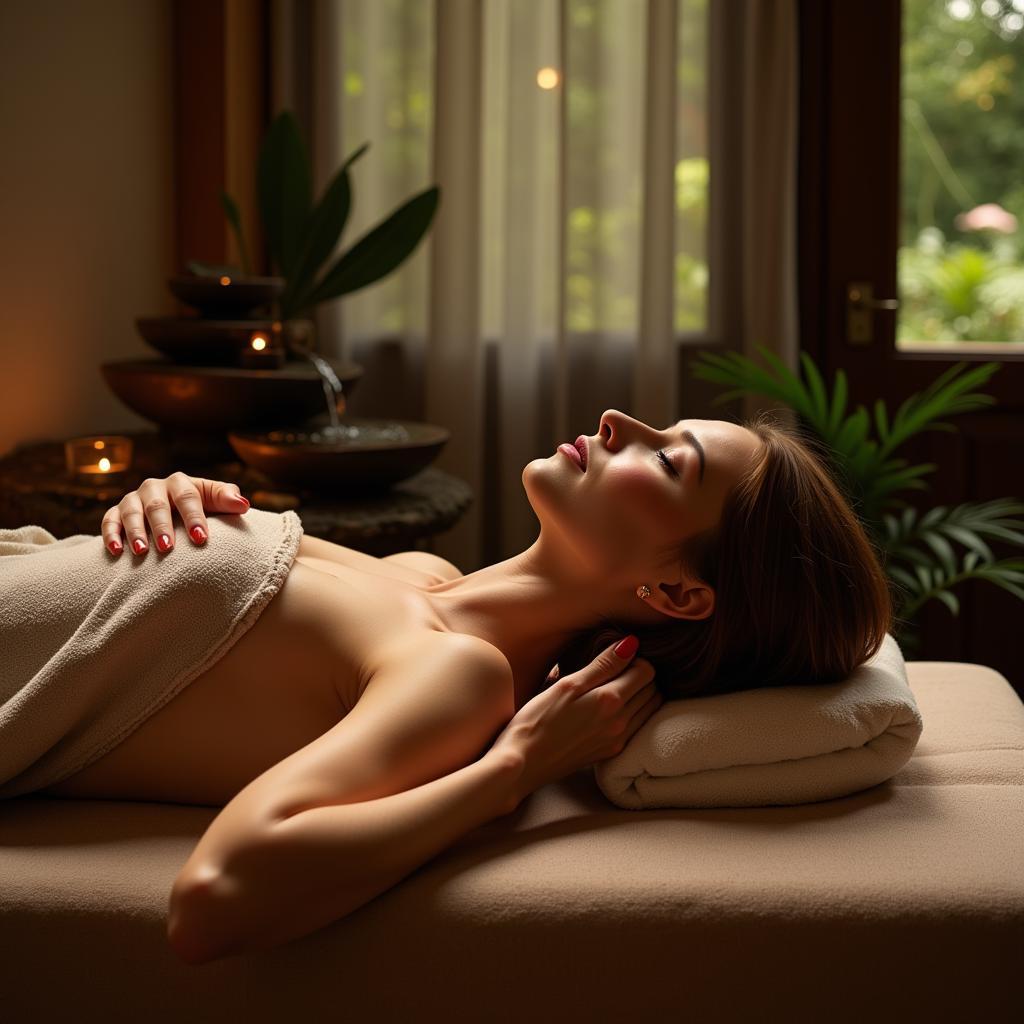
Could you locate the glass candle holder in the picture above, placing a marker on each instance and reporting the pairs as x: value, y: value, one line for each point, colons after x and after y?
x: 95, y: 458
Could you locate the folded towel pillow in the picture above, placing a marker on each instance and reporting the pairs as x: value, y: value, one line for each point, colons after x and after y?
x: 778, y: 745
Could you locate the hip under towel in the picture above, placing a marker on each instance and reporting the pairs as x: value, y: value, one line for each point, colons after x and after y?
x: 91, y: 644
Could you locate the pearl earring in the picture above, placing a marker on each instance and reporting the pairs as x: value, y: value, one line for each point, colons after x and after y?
x: 643, y: 590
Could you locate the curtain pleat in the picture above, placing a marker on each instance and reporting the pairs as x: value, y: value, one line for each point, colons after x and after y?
x: 618, y: 190
x: 454, y: 364
x: 327, y: 114
x: 769, y: 185
x: 654, y: 379
x: 521, y: 257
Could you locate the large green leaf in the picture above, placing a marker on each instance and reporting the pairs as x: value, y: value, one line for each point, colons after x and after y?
x: 852, y: 434
x: 944, y: 396
x: 284, y: 187
x: 816, y: 389
x: 905, y: 578
x: 970, y: 540
x: 379, y: 251
x: 942, y: 549
x: 897, y: 479
x: 881, y: 419
x: 735, y: 368
x: 792, y: 388
x: 838, y: 405
x: 326, y: 223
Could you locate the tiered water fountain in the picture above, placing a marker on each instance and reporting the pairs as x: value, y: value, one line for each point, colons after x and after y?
x: 235, y: 381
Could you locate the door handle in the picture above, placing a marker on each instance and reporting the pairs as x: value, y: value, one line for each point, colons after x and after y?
x: 860, y: 304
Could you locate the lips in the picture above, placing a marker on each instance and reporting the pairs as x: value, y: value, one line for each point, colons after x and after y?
x: 580, y: 444
x: 571, y: 452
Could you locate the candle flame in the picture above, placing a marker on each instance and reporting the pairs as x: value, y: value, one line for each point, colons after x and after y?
x: 97, y: 444
x: 259, y: 343
x: 104, y: 465
x: 225, y: 280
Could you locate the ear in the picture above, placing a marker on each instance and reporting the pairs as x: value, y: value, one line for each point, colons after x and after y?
x: 689, y: 599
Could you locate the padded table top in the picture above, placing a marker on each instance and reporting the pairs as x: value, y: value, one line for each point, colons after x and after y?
x: 908, y: 897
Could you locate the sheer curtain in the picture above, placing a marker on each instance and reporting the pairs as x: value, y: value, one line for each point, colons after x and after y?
x: 618, y: 185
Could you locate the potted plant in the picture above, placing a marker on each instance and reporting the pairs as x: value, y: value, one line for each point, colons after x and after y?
x: 919, y: 556
x: 302, y: 236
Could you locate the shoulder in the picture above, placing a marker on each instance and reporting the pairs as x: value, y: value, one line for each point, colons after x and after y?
x: 445, y: 674
x: 458, y: 658
x: 425, y: 562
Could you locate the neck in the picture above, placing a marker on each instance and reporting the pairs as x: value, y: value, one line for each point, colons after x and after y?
x: 529, y: 607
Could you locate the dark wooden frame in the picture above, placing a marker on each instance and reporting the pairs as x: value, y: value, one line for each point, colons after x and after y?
x: 221, y: 107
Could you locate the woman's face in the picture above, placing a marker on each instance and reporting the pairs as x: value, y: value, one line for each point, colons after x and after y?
x: 628, y: 505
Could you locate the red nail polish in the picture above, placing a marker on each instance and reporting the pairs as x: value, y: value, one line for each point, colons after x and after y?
x: 163, y: 542
x: 625, y: 649
x: 115, y: 548
x: 196, y: 533
x: 138, y: 546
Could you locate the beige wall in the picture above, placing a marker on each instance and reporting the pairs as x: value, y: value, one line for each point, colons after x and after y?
x: 86, y: 206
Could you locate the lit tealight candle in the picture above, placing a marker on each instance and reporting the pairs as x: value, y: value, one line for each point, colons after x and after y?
x: 97, y: 457
x: 260, y: 354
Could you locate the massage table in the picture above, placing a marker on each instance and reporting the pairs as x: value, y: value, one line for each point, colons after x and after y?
x: 901, y: 902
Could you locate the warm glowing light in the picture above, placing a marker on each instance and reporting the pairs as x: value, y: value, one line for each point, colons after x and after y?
x: 225, y: 280
x: 82, y: 461
x: 259, y: 343
x: 548, y: 78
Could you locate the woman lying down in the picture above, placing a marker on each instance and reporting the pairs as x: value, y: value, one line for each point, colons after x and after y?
x: 377, y: 709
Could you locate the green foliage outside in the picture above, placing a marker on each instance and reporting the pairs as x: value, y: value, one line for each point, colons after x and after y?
x: 962, y: 148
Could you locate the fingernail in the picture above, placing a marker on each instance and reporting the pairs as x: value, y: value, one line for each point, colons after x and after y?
x: 138, y: 546
x: 163, y: 542
x: 196, y: 533
x: 244, y: 501
x: 115, y: 548
x: 625, y: 649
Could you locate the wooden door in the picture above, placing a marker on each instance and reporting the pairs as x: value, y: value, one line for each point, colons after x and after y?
x: 850, y: 174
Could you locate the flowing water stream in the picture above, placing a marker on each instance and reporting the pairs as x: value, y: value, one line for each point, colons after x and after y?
x: 336, y: 432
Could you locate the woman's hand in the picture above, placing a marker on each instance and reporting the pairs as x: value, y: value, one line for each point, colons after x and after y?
x: 584, y: 717
x: 152, y: 501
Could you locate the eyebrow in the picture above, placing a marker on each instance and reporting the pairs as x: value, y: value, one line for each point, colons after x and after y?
x: 689, y: 436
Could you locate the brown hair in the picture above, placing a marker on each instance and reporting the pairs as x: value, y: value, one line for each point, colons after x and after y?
x: 800, y: 593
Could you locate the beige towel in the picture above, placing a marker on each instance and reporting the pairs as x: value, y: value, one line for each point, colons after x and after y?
x: 91, y: 645
x: 780, y: 745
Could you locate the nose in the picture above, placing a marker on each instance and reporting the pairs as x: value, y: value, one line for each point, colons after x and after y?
x: 617, y: 429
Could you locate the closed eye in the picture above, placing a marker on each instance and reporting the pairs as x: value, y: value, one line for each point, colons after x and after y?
x: 665, y: 461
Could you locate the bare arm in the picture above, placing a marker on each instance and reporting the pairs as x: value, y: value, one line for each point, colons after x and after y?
x: 319, y: 865
x: 338, y: 821
x: 276, y: 865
